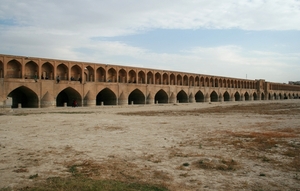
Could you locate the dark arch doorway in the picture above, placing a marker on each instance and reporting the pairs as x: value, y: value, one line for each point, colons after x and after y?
x: 199, y: 97
x: 262, y: 96
x: 214, y: 97
x: 161, y: 97
x: 247, y: 98
x: 136, y: 97
x: 254, y: 96
x: 107, y: 97
x: 237, y: 96
x: 24, y: 96
x: 182, y: 97
x: 67, y: 96
x: 226, y: 96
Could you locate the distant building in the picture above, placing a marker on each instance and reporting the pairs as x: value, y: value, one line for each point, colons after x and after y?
x: 294, y: 82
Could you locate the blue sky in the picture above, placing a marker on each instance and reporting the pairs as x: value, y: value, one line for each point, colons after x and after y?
x: 257, y: 39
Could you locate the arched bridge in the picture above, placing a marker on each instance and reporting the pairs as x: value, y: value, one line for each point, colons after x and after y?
x: 32, y: 83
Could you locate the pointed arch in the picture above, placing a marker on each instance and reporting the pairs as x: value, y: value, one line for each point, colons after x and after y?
x: 247, y: 97
x: 150, y: 78
x: 197, y: 81
x: 122, y: 76
x: 172, y: 79
x: 157, y: 78
x: 100, y: 75
x: 111, y: 75
x: 67, y: 96
x: 226, y: 96
x: 237, y: 96
x: 262, y: 96
x: 106, y: 97
x: 179, y: 80
x: 165, y: 79
x: 76, y: 73
x: 185, y: 80
x: 89, y: 74
x: 136, y: 97
x: 47, y: 71
x: 14, y: 69
x: 191, y: 81
x: 24, y: 96
x: 161, y: 97
x: 255, y: 96
x: 182, y: 97
x: 141, y: 77
x: 62, y: 71
x: 1, y: 69
x: 214, y: 97
x: 131, y: 76
x: 199, y: 97
x: 31, y: 70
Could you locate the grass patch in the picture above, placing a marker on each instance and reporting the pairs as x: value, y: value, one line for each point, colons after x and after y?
x: 81, y: 183
x: 268, y: 109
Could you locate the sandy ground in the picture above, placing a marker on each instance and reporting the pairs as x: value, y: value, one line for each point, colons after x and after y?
x: 201, y: 146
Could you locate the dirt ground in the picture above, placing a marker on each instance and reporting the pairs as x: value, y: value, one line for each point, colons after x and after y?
x: 201, y: 146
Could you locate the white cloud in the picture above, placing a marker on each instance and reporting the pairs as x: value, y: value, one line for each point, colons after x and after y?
x: 64, y: 29
x: 117, y: 17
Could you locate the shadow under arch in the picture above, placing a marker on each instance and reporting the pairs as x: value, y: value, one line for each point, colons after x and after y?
x: 199, y: 97
x: 237, y: 96
x: 107, y: 97
x: 68, y: 95
x: 182, y: 97
x: 161, y: 97
x: 247, y: 97
x: 136, y: 97
x: 255, y: 96
x: 226, y: 96
x: 214, y: 97
x: 24, y: 96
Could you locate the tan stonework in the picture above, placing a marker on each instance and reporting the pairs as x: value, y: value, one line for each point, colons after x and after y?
x: 32, y: 82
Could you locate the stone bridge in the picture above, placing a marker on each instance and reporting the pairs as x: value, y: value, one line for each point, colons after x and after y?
x: 31, y: 82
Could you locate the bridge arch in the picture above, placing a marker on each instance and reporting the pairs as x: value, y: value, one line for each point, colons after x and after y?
x: 107, y: 97
x: 179, y: 80
x: 165, y: 79
x: 141, y: 77
x: 111, y: 75
x: 161, y: 97
x: 172, y: 79
x: 150, y: 78
x: 1, y: 69
x: 131, y: 76
x: 182, y: 97
x: 197, y: 81
x: 24, y: 96
x: 247, y: 97
x: 214, y: 97
x: 76, y: 73
x: 62, y: 71
x: 89, y: 74
x: 68, y: 95
x: 47, y: 71
x: 262, y: 96
x: 31, y: 70
x: 226, y: 96
x: 100, y: 75
x: 199, y: 97
x: 255, y: 96
x: 14, y: 69
x: 136, y: 97
x: 157, y: 78
x: 237, y: 96
x: 185, y: 80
